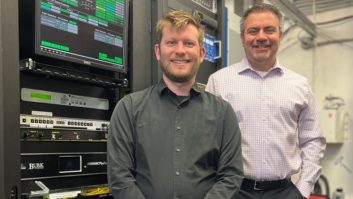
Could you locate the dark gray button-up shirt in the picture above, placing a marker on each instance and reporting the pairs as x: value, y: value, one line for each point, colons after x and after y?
x: 162, y: 146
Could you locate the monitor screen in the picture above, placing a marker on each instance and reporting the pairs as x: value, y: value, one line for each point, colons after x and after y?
x: 88, y: 32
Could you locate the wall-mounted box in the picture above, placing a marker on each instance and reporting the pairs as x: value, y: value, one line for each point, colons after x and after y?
x: 332, y: 125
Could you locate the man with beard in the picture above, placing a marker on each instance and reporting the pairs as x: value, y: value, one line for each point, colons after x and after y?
x: 172, y: 140
x: 276, y: 111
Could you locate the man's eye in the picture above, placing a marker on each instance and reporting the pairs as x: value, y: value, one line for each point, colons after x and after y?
x: 171, y: 42
x: 189, y: 44
x: 252, y: 32
x: 270, y: 30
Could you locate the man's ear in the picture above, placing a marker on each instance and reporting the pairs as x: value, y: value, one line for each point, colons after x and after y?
x: 157, y: 51
x: 202, y: 54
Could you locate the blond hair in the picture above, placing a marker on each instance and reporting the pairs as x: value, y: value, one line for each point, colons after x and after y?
x: 179, y: 19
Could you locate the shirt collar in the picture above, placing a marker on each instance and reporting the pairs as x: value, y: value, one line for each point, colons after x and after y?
x: 162, y: 88
x: 245, y: 66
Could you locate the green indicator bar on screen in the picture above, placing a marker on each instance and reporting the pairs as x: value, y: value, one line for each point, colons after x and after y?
x: 100, y: 14
x: 40, y: 96
x: 82, y: 17
x: 64, y: 48
x: 56, y: 46
x: 65, y: 11
x: 118, y: 60
x: 72, y: 22
x: 99, y: 8
x: 93, y: 18
x: 73, y: 3
x: 104, y: 57
x: 101, y: 21
x: 45, y: 43
x: 46, y: 5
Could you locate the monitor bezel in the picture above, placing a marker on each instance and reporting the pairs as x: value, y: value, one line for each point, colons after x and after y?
x: 83, y: 62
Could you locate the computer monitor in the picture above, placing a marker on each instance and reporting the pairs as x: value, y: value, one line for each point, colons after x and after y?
x: 84, y: 32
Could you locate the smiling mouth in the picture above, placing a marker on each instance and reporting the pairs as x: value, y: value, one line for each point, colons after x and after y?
x: 180, y: 61
x: 262, y: 46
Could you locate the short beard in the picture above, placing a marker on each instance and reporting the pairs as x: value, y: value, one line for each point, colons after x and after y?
x: 181, y: 78
x: 178, y: 79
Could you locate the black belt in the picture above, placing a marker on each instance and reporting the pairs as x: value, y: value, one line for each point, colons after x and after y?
x: 249, y: 184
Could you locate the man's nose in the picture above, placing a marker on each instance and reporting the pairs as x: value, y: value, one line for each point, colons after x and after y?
x: 261, y: 35
x: 180, y: 48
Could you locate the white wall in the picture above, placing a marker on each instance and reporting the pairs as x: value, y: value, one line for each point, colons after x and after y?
x: 329, y: 68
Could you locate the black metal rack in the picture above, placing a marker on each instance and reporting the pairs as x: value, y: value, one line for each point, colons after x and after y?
x: 30, y: 65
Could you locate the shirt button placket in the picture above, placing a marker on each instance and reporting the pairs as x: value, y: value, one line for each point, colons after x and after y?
x: 177, y: 148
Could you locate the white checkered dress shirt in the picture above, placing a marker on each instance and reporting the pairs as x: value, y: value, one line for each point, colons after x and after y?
x: 278, y: 119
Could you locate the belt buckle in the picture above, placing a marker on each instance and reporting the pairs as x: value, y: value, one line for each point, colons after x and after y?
x: 255, y: 188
